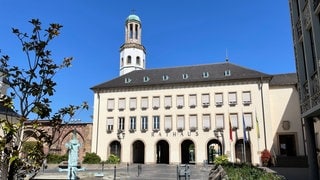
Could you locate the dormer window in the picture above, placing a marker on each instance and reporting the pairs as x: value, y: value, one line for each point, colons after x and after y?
x: 165, y: 77
x: 127, y: 80
x: 205, y: 74
x: 185, y: 76
x: 227, y: 72
x: 146, y: 79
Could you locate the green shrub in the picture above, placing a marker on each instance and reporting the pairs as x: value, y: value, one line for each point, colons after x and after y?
x: 247, y: 171
x: 56, y: 158
x: 91, y: 158
x: 113, y: 159
x: 221, y: 160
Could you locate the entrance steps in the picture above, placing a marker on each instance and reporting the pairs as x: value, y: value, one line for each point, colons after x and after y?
x: 168, y: 172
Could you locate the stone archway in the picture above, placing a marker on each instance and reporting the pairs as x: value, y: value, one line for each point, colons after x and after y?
x: 243, y: 153
x: 138, y: 152
x: 214, y: 148
x: 115, y: 148
x: 162, y: 153
x: 188, y: 150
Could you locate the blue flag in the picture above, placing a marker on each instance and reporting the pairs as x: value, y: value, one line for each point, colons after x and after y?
x: 244, y: 129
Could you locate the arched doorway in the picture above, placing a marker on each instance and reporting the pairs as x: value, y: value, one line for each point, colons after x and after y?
x: 115, y: 148
x: 138, y: 152
x: 243, y: 153
x: 188, y: 152
x: 162, y: 153
x: 214, y: 148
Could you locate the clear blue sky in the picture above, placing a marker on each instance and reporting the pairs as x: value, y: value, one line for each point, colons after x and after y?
x: 256, y: 34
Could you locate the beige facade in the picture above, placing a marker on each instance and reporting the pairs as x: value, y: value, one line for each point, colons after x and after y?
x: 192, y: 114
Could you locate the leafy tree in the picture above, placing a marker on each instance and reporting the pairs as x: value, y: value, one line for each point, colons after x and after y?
x: 30, y: 88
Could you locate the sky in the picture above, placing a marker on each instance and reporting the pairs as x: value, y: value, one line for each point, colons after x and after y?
x: 253, y: 34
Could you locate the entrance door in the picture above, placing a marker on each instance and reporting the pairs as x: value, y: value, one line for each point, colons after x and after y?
x: 138, y: 152
x: 287, y: 145
x: 214, y: 148
x: 162, y: 152
x: 188, y: 152
x: 115, y: 148
x: 243, y: 153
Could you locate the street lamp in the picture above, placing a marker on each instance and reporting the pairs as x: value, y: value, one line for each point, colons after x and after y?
x: 120, y: 134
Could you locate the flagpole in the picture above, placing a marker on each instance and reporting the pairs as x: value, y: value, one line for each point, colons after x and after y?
x: 244, y: 138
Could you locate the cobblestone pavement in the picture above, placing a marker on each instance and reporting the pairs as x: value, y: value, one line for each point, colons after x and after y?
x: 132, y: 172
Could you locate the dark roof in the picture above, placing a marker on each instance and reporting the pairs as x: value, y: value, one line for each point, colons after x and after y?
x: 284, y: 79
x: 7, y: 111
x: 151, y: 77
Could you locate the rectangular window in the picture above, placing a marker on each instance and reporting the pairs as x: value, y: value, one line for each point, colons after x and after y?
x: 219, y: 121
x: 218, y: 98
x: 144, y: 103
x: 180, y: 122
x: 180, y: 101
x: 167, y: 102
x: 247, y: 120
x: 121, y: 124
x: 132, y: 123
x: 110, y: 104
x: 234, y: 120
x: 156, y: 123
x: 192, y: 100
x: 109, y: 124
x: 206, y: 122
x: 156, y: 102
x: 205, y: 100
x: 133, y: 103
x: 168, y: 123
x: 246, y: 97
x: 122, y: 104
x: 193, y: 122
x: 232, y: 98
x: 144, y: 123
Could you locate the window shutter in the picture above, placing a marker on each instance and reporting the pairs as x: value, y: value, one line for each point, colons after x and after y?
x: 167, y: 122
x: 144, y: 103
x: 246, y: 97
x: 180, y: 101
x: 232, y: 97
x: 110, y: 105
x: 234, y: 120
x: 192, y: 100
x: 206, y: 121
x: 193, y: 122
x: 248, y: 120
x: 167, y: 101
x: 218, y: 98
x: 219, y: 121
x: 133, y: 103
x: 122, y: 104
x: 156, y: 102
x: 205, y: 99
x: 180, y: 122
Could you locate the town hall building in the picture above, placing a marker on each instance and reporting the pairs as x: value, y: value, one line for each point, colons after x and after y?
x: 191, y: 114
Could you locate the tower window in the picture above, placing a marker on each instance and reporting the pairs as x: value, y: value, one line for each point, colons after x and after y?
x: 130, y: 31
x: 136, y: 31
x: 121, y: 62
x: 138, y: 61
x: 129, y: 60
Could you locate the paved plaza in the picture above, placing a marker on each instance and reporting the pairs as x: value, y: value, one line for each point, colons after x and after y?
x: 154, y: 172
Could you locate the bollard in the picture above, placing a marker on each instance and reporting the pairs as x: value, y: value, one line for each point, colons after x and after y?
x: 139, y: 169
x: 115, y: 173
x: 127, y: 167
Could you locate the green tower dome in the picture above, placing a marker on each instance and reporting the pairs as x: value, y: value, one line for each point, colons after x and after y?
x: 133, y: 17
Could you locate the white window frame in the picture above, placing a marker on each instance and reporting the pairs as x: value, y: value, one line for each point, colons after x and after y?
x: 192, y: 100
x: 156, y: 102
x: 144, y: 103
x: 206, y: 121
x: 110, y: 124
x: 218, y: 99
x: 180, y: 101
x: 167, y: 102
x: 121, y: 123
x: 144, y: 123
x: 246, y: 97
x: 205, y: 100
x: 234, y: 120
x: 219, y: 120
x: 232, y: 98
x: 180, y: 122
x: 156, y: 123
x: 110, y: 104
x: 122, y: 104
x: 193, y: 122
x: 133, y: 103
x: 133, y: 123
x: 168, y: 123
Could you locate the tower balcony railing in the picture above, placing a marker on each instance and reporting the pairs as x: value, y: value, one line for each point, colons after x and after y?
x: 299, y: 28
